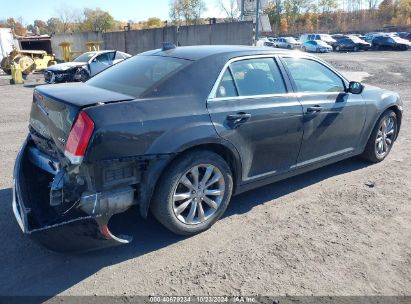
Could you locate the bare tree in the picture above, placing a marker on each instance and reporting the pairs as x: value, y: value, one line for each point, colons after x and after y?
x: 372, y: 4
x: 229, y: 7
x: 67, y: 16
x: 188, y: 10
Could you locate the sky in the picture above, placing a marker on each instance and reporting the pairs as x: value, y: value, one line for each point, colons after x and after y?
x: 123, y: 10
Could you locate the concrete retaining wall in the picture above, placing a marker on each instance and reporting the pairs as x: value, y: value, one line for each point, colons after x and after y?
x: 78, y: 41
x: 137, y: 41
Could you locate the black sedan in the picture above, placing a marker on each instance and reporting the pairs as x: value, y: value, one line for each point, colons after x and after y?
x: 390, y: 42
x: 351, y: 44
x: 179, y: 131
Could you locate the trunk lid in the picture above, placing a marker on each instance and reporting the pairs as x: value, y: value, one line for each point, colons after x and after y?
x: 55, y: 107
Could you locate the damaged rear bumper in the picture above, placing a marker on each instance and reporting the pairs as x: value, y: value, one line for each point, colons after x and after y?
x: 87, y: 231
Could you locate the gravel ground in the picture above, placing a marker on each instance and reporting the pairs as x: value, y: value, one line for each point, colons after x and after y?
x: 341, y: 230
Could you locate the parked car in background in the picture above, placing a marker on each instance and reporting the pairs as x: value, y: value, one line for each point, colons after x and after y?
x: 351, y: 43
x: 265, y: 41
x: 407, y: 37
x: 83, y: 67
x: 287, y: 43
x: 317, y: 46
x: 321, y: 37
x: 273, y: 40
x: 390, y: 42
x: 128, y: 136
x: 370, y: 36
x: 339, y: 36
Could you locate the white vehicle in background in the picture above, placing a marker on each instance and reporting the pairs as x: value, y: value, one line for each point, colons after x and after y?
x: 287, y: 43
x: 317, y: 46
x: 84, y: 66
x: 7, y: 43
x: 319, y: 37
x: 264, y: 41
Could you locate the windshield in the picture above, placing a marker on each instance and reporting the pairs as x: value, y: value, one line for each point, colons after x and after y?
x: 326, y: 37
x: 84, y: 57
x: 137, y: 75
x: 321, y: 43
x: 355, y: 39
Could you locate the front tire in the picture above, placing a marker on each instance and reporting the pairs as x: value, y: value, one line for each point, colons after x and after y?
x: 193, y: 193
x: 382, y: 138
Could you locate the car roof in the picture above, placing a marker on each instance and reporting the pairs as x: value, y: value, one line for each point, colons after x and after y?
x: 99, y: 52
x: 203, y: 51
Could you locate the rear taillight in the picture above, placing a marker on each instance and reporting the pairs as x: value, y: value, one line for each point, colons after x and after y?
x: 78, y: 138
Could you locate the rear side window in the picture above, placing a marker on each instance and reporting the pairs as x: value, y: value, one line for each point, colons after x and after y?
x: 138, y: 75
x: 227, y: 87
x: 312, y: 76
x: 105, y: 58
x: 120, y: 55
x: 259, y: 76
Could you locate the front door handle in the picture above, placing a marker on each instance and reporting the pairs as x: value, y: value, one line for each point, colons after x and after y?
x: 234, y: 120
x: 314, y: 109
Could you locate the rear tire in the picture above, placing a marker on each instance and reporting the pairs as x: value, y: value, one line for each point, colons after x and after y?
x: 382, y: 138
x: 182, y: 201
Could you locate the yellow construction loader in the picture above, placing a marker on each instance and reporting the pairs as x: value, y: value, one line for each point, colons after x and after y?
x: 29, y: 61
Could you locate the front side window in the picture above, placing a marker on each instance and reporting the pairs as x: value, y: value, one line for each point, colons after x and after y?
x: 312, y: 76
x: 259, y: 76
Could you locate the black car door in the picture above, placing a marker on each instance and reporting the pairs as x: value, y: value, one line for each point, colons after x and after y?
x: 348, y: 44
x: 333, y: 119
x: 250, y: 106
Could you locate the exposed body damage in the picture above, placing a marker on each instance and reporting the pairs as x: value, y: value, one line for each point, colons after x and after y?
x: 74, y: 213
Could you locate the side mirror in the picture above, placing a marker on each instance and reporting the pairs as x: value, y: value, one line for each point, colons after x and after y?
x: 355, y: 87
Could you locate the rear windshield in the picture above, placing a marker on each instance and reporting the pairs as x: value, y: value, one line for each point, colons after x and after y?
x: 138, y: 75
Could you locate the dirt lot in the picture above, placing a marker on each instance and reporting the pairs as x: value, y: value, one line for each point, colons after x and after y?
x: 342, y: 230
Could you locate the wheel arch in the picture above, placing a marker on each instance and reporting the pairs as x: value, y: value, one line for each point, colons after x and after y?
x: 397, y: 112
x: 220, y: 147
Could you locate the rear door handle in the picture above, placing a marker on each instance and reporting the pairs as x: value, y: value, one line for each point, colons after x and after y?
x: 234, y: 120
x: 314, y: 109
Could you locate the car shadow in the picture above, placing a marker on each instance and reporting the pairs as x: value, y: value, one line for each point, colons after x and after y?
x: 28, y: 269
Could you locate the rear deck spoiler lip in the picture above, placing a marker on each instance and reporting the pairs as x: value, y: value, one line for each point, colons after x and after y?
x: 80, y: 234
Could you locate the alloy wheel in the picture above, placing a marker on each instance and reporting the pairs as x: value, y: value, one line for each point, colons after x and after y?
x: 385, y: 137
x: 198, y: 194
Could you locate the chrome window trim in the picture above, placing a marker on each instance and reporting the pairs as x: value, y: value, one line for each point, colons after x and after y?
x: 251, y: 97
x: 213, y: 93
